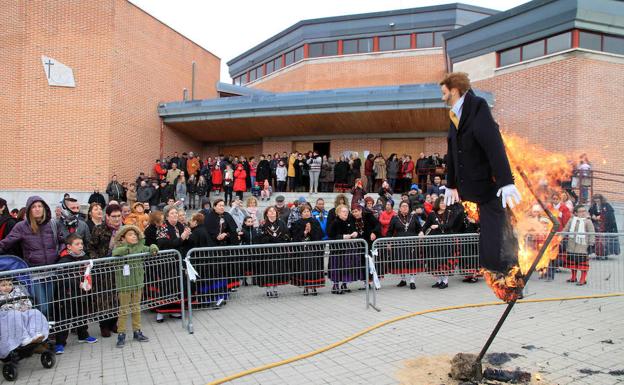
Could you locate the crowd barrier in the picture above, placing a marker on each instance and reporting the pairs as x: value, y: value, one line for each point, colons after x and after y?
x: 75, y: 294
x: 271, y: 271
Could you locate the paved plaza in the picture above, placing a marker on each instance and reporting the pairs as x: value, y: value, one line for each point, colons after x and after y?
x: 564, y: 341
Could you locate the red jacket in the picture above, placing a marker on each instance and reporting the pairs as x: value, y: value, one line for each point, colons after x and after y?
x: 368, y: 167
x: 217, y: 177
x: 160, y: 172
x: 408, y: 168
x: 240, y: 176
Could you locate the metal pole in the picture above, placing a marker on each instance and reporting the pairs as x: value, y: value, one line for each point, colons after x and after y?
x: 477, y: 367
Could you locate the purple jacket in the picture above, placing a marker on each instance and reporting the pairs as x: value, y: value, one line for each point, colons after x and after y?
x: 38, y: 248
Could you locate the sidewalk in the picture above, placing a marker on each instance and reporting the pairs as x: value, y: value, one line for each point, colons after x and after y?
x: 558, y: 338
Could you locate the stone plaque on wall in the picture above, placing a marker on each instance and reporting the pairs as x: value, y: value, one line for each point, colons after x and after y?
x: 57, y: 73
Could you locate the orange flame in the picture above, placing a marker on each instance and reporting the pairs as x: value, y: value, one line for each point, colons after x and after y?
x: 545, y: 170
x: 471, y: 210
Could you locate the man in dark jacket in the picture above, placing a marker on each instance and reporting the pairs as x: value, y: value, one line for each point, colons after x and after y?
x: 479, y: 171
x: 114, y: 189
x: 144, y: 192
x: 263, y: 170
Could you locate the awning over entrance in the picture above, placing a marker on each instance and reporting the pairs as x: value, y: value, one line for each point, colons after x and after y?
x: 391, y: 109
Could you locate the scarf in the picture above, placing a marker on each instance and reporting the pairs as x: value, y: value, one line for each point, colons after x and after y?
x: 580, y: 238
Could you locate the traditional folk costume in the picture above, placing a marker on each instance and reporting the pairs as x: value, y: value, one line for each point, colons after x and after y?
x: 308, y: 268
x: 344, y: 265
x: 578, y: 246
x: 273, y: 269
x: 406, y: 261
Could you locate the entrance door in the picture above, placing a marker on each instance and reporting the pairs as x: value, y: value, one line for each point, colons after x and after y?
x: 322, y: 148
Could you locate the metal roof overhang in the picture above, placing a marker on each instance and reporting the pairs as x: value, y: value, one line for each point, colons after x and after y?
x: 390, y: 109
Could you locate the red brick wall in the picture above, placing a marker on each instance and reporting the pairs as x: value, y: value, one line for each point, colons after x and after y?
x: 339, y: 146
x: 568, y: 106
x: 125, y: 62
x: 271, y: 147
x: 376, y: 70
x: 434, y: 144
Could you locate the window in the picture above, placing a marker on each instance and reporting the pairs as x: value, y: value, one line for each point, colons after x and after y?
x: 290, y: 57
x: 299, y: 54
x: 349, y: 47
x: 613, y: 44
x: 328, y: 48
x: 510, y: 56
x: 365, y: 45
x: 591, y: 41
x: 269, y: 67
x: 438, y: 40
x: 315, y: 49
x: 424, y: 40
x: 277, y: 63
x: 403, y: 42
x: 386, y: 43
x: 252, y: 75
x: 237, y: 81
x: 533, y: 50
x: 559, y: 43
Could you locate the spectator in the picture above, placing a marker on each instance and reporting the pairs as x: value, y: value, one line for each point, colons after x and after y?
x: 266, y: 190
x: 281, y: 173
x: 125, y: 210
x: 320, y: 214
x: 252, y: 207
x: 240, y: 181
x: 340, y: 199
x: 385, y: 218
x: 180, y: 189
x: 137, y: 217
x: 70, y: 221
x: 182, y: 163
x: 160, y: 169
x: 369, y: 173
x: 273, y: 162
x: 308, y: 268
x: 173, y: 174
x: 252, y: 172
x: 422, y: 169
x: 315, y: 162
x: 114, y: 190
x: 341, y: 172
x: 263, y: 170
x: 228, y: 183
x: 295, y: 213
x: 221, y: 226
x: 407, y: 169
x: 131, y: 194
x: 217, y: 178
x: 238, y: 213
x: 192, y: 165
x: 603, y: 217
x: 301, y: 173
x: 291, y: 170
x: 438, y: 223
x: 144, y: 192
x: 156, y: 224
x: 283, y: 211
x: 385, y: 193
x: 405, y: 224
x: 379, y: 171
x: 97, y: 197
x: 327, y: 174
x: 356, y: 167
x: 344, y: 266
x: 191, y: 188
x: 437, y: 187
x: 392, y: 167
x: 358, y: 194
x: 6, y: 220
x: 579, y: 244
x: 95, y: 216
x: 273, y: 269
x: 101, y: 246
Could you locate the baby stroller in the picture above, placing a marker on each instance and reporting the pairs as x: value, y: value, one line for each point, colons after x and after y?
x: 44, y: 348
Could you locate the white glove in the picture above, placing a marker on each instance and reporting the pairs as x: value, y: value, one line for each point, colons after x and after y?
x: 451, y: 196
x: 509, y: 194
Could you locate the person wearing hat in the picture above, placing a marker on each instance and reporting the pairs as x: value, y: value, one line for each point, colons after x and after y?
x: 283, y: 211
x: 129, y: 280
x: 295, y: 212
x: 137, y: 217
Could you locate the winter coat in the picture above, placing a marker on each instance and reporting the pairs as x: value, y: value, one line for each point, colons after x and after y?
x: 192, y: 166
x: 172, y: 176
x: 315, y: 163
x: 201, y: 189
x: 341, y: 172
x: 263, y: 171
x: 135, y: 280
x: 407, y: 169
x: 291, y: 165
x: 392, y: 168
x: 216, y: 224
x: 571, y: 242
x: 368, y: 167
x: 99, y: 246
x: 170, y: 238
x: 217, y: 177
x: 297, y: 230
x: 240, y: 180
x: 356, y: 168
x: 379, y: 167
x: 38, y: 249
x: 180, y: 191
x: 327, y: 171
x: 80, y: 227
x: 281, y: 173
x: 144, y: 194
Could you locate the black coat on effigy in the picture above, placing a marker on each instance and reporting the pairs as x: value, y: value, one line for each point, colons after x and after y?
x: 478, y: 164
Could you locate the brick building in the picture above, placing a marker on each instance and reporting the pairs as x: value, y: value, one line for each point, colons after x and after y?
x: 124, y: 63
x: 551, y: 69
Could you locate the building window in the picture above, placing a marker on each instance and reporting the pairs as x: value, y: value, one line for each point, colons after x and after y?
x: 533, y: 50
x: 424, y: 40
x: 591, y: 41
x: 438, y: 40
x: 269, y: 67
x: 510, y: 56
x: 391, y: 43
x: 252, y: 75
x: 403, y: 42
x: 559, y: 43
x: 357, y: 46
x: 328, y: 48
x: 299, y: 54
x: 237, y: 81
x: 277, y: 63
x: 613, y: 44
x: 290, y: 57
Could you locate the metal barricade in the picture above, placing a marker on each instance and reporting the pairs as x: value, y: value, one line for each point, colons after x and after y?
x: 75, y: 294
x: 436, y: 255
x: 592, y: 261
x: 218, y: 275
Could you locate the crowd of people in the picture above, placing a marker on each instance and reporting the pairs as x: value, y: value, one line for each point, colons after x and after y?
x: 153, y: 217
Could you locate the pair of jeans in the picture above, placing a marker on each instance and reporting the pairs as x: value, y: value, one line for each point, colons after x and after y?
x: 314, y: 180
x: 43, y: 295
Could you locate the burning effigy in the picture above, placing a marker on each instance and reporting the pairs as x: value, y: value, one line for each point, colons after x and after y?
x: 537, y: 173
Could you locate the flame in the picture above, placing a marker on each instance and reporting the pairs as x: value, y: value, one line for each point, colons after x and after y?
x: 544, y: 170
x: 471, y: 210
